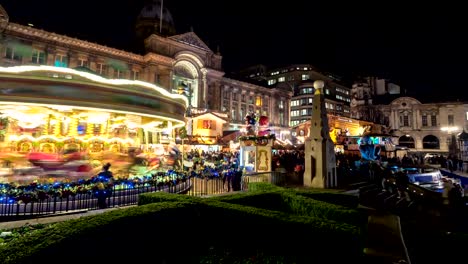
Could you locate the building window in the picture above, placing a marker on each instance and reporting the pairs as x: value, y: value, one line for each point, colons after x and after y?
x: 157, y: 78
x: 281, y: 79
x: 271, y: 82
x: 61, y: 60
x: 101, y: 69
x: 119, y: 74
x: 135, y: 75
x: 226, y: 104
x: 306, y: 90
x: 234, y: 113
x: 327, y: 91
x: 242, y: 112
x: 433, y: 120
x: 251, y: 99
x: 281, y: 118
x: 258, y: 101
x: 83, y: 63
x: 451, y: 120
x: 424, y: 121
x: 305, y: 77
x: 12, y: 54
x: 38, y: 57
x: 405, y: 120
x: 226, y: 95
x: 281, y: 104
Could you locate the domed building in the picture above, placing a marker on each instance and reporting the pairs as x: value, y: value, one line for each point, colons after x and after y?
x: 150, y: 21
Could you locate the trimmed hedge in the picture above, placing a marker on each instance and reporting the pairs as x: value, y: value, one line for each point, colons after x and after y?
x: 109, y: 237
x: 306, y: 206
x: 342, y: 199
x: 278, y: 233
x: 288, y: 201
x: 271, y: 200
x: 262, y: 187
x: 157, y: 197
x: 185, y: 232
x: 325, y: 195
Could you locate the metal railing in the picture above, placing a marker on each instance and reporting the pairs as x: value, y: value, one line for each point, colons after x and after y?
x: 118, y: 195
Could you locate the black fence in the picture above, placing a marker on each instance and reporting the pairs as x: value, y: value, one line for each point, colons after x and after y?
x: 123, y: 195
x: 117, y: 196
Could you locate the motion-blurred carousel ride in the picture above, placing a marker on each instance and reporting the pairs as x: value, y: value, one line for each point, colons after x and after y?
x: 60, y: 122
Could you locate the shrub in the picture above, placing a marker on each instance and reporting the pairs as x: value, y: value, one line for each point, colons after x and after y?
x: 289, y: 202
x: 157, y: 197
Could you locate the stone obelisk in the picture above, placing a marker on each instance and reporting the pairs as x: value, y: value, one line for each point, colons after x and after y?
x: 320, y: 160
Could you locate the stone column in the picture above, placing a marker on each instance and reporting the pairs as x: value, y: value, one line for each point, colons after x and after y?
x: 204, y: 86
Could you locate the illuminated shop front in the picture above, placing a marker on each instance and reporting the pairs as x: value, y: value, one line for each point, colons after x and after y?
x: 54, y: 110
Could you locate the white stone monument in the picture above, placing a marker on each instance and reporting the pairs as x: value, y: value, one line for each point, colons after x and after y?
x: 320, y: 160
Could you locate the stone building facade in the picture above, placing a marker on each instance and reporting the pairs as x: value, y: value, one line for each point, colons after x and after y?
x: 425, y: 127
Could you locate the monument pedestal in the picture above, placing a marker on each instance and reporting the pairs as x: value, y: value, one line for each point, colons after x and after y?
x: 320, y: 164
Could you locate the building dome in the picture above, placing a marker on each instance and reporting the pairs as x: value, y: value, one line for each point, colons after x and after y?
x: 149, y: 20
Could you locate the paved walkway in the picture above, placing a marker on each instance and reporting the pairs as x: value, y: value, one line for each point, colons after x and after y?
x: 385, y: 243
x: 54, y: 219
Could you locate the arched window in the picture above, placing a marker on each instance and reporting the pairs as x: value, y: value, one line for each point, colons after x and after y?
x: 406, y: 141
x: 431, y: 142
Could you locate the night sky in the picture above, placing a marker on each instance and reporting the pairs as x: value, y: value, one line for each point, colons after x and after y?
x: 423, y: 48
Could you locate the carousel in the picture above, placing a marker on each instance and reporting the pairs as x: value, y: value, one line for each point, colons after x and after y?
x: 63, y: 122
